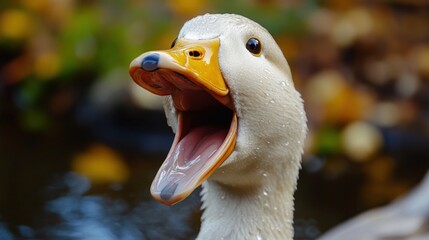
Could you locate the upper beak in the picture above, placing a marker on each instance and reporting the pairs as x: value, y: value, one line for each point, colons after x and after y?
x: 189, y: 65
x: 196, y: 59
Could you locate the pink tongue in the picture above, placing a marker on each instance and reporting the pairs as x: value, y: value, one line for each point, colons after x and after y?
x: 199, y: 145
x: 189, y: 161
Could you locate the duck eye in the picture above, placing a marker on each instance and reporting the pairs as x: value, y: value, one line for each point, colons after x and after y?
x: 173, y: 43
x: 254, y: 46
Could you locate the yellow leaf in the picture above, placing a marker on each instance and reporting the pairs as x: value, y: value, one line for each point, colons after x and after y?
x: 15, y: 24
x: 47, y: 65
x: 101, y: 165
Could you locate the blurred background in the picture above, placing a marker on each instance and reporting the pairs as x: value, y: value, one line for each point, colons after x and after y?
x: 80, y: 143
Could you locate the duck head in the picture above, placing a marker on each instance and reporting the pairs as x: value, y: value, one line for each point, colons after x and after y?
x: 231, y: 102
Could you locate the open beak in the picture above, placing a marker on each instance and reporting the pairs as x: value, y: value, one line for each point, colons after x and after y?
x: 207, y: 123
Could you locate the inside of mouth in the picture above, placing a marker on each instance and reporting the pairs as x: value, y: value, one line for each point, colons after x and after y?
x: 205, y: 135
x: 203, y: 131
x: 204, y: 120
x: 202, y: 141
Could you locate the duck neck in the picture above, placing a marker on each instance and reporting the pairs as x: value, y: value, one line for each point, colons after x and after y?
x: 262, y: 209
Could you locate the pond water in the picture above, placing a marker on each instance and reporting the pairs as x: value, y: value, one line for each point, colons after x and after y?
x: 42, y: 196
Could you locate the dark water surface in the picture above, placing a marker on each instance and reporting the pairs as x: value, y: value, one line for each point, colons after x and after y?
x: 42, y: 198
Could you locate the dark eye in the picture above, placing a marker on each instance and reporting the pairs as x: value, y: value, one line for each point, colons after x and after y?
x: 173, y: 43
x: 254, y: 46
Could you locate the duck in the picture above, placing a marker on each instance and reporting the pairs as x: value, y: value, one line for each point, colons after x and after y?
x: 404, y: 218
x: 239, y: 126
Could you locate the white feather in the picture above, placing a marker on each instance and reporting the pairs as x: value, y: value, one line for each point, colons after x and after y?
x: 251, y: 195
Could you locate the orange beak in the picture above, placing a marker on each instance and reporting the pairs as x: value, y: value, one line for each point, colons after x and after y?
x: 207, y: 123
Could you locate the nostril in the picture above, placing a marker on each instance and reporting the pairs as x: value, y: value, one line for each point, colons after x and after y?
x: 194, y: 53
x: 150, y: 62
